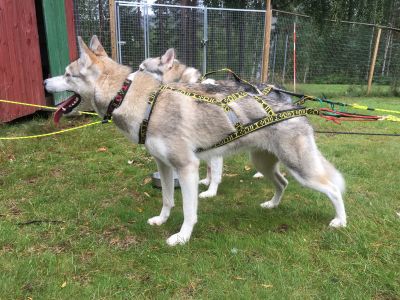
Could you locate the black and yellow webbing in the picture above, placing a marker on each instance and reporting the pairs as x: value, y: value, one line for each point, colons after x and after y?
x: 240, y: 129
x: 266, y: 121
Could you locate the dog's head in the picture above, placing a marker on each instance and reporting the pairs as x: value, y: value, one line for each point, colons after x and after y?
x: 158, y: 66
x: 81, y: 75
x: 167, y: 68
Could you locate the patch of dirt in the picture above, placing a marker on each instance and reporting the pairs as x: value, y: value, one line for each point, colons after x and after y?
x: 283, y: 228
x: 57, y: 173
x: 27, y: 287
x: 120, y: 237
x: 123, y: 242
x: 7, y: 248
x: 86, y: 256
x: 192, y: 287
x: 83, y: 279
x: 14, y: 209
x: 61, y: 247
x: 385, y: 296
x: 31, y: 180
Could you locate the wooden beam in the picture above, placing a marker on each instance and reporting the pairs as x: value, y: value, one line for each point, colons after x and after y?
x: 112, y: 30
x: 267, y: 38
x: 69, y: 14
x: 373, y: 61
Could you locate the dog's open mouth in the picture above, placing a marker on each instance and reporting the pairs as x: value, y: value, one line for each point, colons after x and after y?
x: 66, y: 107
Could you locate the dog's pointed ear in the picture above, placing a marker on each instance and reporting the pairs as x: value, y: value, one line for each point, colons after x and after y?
x: 168, y: 58
x: 86, y: 57
x: 97, y: 47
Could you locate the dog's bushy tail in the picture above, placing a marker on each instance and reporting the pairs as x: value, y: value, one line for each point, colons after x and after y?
x: 334, y: 175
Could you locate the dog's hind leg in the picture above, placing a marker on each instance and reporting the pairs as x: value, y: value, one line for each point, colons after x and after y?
x: 189, y: 180
x: 214, y: 173
x: 312, y: 170
x: 167, y: 185
x: 206, y: 181
x: 268, y: 164
x: 323, y: 183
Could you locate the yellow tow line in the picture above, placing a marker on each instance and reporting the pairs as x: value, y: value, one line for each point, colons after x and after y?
x: 51, y: 133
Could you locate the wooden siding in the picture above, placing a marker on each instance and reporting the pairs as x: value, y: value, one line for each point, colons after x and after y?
x: 20, y: 63
x: 57, y: 39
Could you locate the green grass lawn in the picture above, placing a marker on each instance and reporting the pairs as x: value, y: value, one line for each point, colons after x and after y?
x: 102, y: 248
x: 338, y: 90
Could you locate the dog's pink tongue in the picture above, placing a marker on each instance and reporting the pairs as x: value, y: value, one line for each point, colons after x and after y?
x: 65, y: 107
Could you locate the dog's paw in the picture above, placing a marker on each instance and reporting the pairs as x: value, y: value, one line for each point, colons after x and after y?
x: 207, y: 194
x: 204, y: 181
x: 337, y: 223
x: 177, y: 239
x: 258, y: 175
x: 269, y: 204
x: 156, y: 221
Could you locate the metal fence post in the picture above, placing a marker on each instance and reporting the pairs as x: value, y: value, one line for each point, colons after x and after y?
x: 145, y: 33
x: 274, y: 57
x: 205, y: 39
x: 148, y: 31
x: 285, y: 58
x: 118, y: 28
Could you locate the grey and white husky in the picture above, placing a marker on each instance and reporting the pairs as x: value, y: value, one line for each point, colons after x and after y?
x: 180, y: 124
x: 178, y: 72
x: 166, y: 72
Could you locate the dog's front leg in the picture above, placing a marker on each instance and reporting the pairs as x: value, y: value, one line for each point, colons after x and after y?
x: 167, y: 185
x: 189, y: 180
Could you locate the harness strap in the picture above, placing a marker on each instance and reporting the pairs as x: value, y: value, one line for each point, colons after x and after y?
x: 241, y: 129
x: 267, y: 90
x: 199, y: 97
x: 117, y: 100
x: 265, y: 106
x: 261, y: 123
x: 145, y: 123
x: 233, y: 118
x: 233, y: 97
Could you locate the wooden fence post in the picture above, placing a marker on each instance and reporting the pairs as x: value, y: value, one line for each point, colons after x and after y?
x: 267, y: 37
x: 112, y: 30
x: 69, y: 14
x: 373, y: 61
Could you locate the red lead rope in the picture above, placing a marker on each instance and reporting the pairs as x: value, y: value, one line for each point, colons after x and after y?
x: 337, y: 116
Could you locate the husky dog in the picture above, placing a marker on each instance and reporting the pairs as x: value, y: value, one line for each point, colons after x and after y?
x: 180, y: 124
x: 168, y: 69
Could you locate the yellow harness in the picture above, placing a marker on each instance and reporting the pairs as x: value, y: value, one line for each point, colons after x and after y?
x: 240, y: 129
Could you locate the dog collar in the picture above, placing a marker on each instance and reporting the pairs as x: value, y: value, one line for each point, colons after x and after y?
x: 117, y: 100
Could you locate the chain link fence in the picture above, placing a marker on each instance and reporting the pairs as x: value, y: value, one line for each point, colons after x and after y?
x: 215, y: 38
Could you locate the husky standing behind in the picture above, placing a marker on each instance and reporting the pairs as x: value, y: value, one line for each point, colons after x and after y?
x: 166, y: 72
x: 178, y: 72
x: 180, y: 124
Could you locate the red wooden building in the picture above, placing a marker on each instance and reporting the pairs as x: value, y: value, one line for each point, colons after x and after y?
x: 30, y: 30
